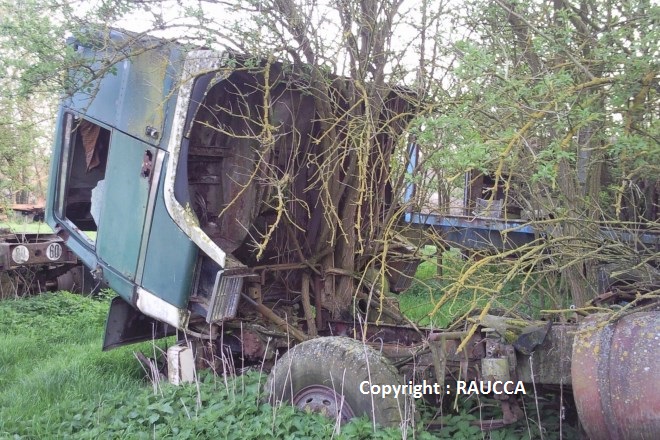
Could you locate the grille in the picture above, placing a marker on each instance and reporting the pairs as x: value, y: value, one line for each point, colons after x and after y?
x: 224, y: 300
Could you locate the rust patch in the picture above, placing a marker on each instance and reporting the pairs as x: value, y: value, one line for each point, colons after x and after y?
x: 615, y: 376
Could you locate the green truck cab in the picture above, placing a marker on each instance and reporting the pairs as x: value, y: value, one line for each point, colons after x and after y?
x: 167, y: 167
x: 114, y: 196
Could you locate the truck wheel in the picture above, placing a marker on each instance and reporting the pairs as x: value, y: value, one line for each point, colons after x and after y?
x: 327, y: 376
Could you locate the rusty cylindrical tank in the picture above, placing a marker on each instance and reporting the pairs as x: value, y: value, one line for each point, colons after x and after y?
x: 616, y: 377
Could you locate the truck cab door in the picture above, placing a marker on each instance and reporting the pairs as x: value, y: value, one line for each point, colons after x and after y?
x: 122, y: 200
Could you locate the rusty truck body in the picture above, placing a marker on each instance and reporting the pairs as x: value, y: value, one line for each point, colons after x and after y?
x: 171, y: 173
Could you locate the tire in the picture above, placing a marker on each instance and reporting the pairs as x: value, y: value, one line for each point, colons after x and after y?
x: 324, y: 375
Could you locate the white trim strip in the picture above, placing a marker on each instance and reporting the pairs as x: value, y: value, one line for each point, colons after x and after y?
x: 197, y: 63
x: 159, y: 309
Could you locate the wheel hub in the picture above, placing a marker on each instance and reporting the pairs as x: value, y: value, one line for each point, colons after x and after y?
x: 323, y: 400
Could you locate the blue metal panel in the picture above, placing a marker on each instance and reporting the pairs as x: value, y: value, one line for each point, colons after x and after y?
x: 633, y: 237
x: 124, y: 205
x: 53, y: 177
x: 460, y: 221
x: 412, y: 164
x: 118, y: 282
x: 73, y: 241
x: 477, y: 232
x: 170, y: 257
x: 133, y: 93
x: 496, y: 233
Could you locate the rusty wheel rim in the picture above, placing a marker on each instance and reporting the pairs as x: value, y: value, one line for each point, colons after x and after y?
x: 323, y: 400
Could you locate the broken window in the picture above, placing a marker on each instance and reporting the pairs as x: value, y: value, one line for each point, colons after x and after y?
x: 85, y: 159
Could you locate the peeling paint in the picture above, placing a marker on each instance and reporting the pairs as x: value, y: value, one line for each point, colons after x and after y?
x: 197, y: 63
x: 617, y: 388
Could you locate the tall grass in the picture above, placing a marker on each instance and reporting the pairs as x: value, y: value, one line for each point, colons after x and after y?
x: 50, y: 354
x: 56, y: 383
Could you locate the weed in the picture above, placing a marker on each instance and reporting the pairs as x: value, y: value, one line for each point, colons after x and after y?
x: 56, y: 383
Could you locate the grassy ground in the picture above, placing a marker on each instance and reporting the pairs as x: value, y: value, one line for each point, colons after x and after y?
x: 28, y: 227
x: 434, y: 299
x: 56, y: 383
x: 50, y: 356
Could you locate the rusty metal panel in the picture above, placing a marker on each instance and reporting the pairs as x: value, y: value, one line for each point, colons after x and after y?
x: 30, y: 249
x: 401, y: 272
x: 550, y: 361
x: 616, y: 376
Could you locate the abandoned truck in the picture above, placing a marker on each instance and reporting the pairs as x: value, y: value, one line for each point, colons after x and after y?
x: 202, y: 189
